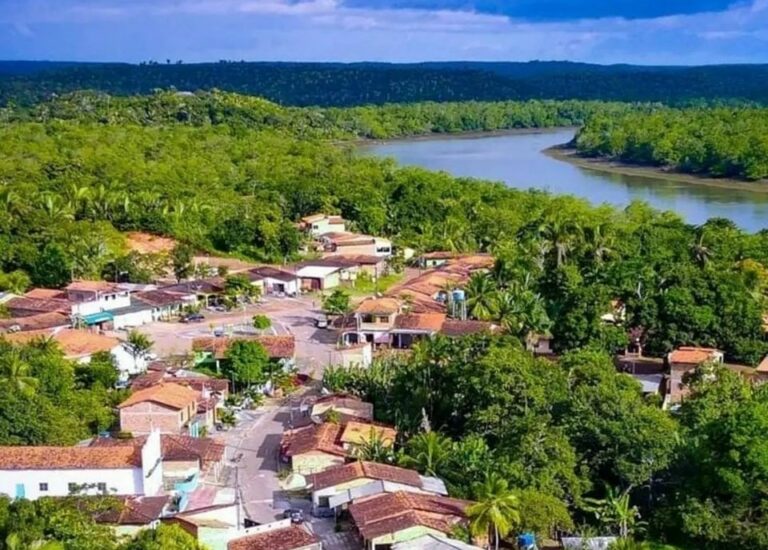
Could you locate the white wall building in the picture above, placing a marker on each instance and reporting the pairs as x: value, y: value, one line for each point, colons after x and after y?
x: 34, y: 472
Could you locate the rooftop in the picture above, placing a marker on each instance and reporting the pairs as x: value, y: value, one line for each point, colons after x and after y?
x: 692, y: 355
x: 385, y: 306
x: 39, y: 305
x: 46, y: 293
x: 323, y: 437
x: 159, y: 298
x: 343, y: 404
x: 36, y: 322
x: 359, y: 259
x: 277, y: 347
x: 456, y: 328
x: 92, y: 286
x: 136, y: 510
x: 273, y: 273
x: 430, y: 322
x: 364, y: 470
x: 73, y: 343
x: 174, y: 447
x: 68, y: 458
x: 392, y: 512
x: 289, y: 538
x: 171, y: 395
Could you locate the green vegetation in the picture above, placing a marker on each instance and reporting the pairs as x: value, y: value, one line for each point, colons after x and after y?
x: 543, y: 445
x: 247, y: 363
x: 717, y: 142
x: 333, y: 84
x: 68, y: 524
x: 47, y: 400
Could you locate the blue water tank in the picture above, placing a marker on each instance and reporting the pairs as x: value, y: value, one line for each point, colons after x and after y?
x: 526, y: 540
x: 458, y: 295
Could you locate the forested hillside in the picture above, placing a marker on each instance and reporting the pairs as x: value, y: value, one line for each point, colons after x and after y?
x: 329, y: 84
x: 717, y: 142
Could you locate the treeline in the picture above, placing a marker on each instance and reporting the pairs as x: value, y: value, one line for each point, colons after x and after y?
x: 578, y: 447
x: 334, y: 84
x: 718, y: 142
x: 384, y: 121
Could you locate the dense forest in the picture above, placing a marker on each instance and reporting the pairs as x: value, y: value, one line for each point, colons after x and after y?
x: 72, y: 186
x: 719, y: 142
x: 574, y: 445
x: 334, y: 84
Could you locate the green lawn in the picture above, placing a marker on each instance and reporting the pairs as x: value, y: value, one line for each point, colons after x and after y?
x: 364, y: 287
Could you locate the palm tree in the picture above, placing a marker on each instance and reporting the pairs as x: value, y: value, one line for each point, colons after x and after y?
x: 700, y: 252
x: 427, y: 452
x: 560, y: 236
x: 15, y: 372
x: 600, y: 243
x: 374, y: 449
x: 615, y: 511
x: 481, y: 292
x: 496, y: 510
x: 138, y: 344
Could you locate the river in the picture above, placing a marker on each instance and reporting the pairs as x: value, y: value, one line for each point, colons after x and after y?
x: 517, y: 159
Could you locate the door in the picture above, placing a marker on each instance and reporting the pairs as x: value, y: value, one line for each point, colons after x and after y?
x: 20, y: 492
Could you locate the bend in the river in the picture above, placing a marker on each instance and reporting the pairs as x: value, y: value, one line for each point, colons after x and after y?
x: 517, y: 159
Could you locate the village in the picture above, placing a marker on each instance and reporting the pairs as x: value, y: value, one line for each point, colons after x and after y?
x: 277, y: 467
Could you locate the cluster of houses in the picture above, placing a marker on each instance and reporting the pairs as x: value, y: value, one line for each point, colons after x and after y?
x: 389, y: 506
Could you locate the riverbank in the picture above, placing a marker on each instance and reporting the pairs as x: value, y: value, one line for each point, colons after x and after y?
x: 473, y: 134
x: 570, y: 155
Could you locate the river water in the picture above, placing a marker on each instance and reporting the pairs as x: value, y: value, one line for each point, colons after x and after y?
x: 517, y: 160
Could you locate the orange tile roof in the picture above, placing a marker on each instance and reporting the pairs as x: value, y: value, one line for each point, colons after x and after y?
x: 324, y: 438
x: 360, y: 432
x: 171, y: 395
x: 69, y: 458
x: 289, y: 538
x: 392, y: 512
x: 364, y: 470
x: 432, y: 322
x: 92, y: 286
x: 45, y: 293
x: 379, y: 305
x: 37, y: 322
x: 692, y: 355
x: 277, y: 347
x: 73, y: 343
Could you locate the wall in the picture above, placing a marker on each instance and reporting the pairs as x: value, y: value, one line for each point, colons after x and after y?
x: 141, y: 418
x: 87, y: 303
x: 180, y: 469
x: 357, y: 249
x: 151, y: 464
x: 133, y: 319
x: 291, y: 287
x: 404, y: 535
x: 125, y: 481
x: 331, y: 281
x: 126, y: 363
x: 314, y: 462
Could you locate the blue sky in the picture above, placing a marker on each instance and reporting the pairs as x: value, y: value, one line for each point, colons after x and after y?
x: 606, y: 31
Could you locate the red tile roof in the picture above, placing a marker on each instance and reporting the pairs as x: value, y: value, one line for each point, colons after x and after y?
x: 324, y: 438
x: 136, y: 510
x: 379, y: 305
x: 277, y: 347
x: 364, y: 470
x: 73, y: 343
x: 159, y: 298
x: 289, y: 538
x: 37, y: 322
x: 174, y: 447
x: 456, y: 328
x: 171, y: 395
x: 268, y: 272
x: 46, y: 293
x: 692, y: 355
x: 392, y: 512
x: 92, y: 286
x: 431, y: 322
x: 38, y: 305
x: 68, y: 458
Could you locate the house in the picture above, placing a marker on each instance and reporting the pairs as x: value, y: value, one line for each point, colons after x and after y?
x: 167, y: 407
x: 39, y: 301
x: 683, y: 361
x: 134, y: 513
x: 81, y: 345
x: 335, y: 487
x: 410, y: 328
x: 318, y: 277
x: 459, y: 328
x: 94, y: 304
x: 431, y: 260
x: 539, y: 343
x: 183, y: 457
x: 278, y: 536
x: 346, y: 244
x: 203, y: 292
x: 314, y: 448
x: 39, y: 321
x: 389, y: 518
x: 277, y: 281
x: 318, y: 224
x: 164, y: 305
x: 34, y: 472
x: 346, y: 405
x: 374, y: 319
x: 212, y: 350
x: 213, y: 526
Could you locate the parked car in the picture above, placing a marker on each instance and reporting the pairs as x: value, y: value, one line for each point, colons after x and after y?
x: 193, y: 318
x: 295, y: 515
x: 321, y: 322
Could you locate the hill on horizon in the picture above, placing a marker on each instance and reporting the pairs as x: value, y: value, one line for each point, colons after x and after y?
x: 340, y: 84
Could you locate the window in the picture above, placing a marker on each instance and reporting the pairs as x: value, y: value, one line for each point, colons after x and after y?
x: 102, y: 487
x: 43, y: 487
x: 383, y: 319
x: 72, y: 488
x: 367, y: 318
x: 323, y: 502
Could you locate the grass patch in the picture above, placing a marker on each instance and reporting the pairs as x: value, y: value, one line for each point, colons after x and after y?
x: 366, y: 286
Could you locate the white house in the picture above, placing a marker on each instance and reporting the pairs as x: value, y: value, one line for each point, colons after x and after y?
x: 319, y: 277
x: 318, y: 224
x: 277, y: 281
x: 34, y: 472
x: 107, y: 305
x: 81, y: 345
